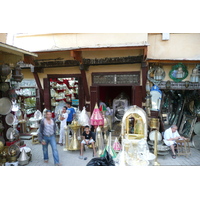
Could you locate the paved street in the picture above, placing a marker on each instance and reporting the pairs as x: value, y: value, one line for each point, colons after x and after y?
x: 70, y: 158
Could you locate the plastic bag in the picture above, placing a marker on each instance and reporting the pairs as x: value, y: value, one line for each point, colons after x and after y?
x: 103, y: 161
x: 84, y: 118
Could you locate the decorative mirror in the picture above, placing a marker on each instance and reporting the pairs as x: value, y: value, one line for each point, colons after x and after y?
x: 187, y: 126
x: 178, y: 72
x: 156, y: 74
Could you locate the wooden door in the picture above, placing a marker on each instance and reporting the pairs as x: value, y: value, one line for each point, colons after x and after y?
x: 137, y: 96
x: 94, y: 97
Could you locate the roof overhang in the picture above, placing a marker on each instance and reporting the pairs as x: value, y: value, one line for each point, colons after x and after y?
x: 177, y: 60
x: 15, y: 50
x: 97, y: 48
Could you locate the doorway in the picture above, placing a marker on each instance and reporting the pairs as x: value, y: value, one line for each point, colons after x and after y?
x: 108, y: 93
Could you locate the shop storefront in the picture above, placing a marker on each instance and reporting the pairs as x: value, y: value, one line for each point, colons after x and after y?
x: 176, y: 98
x: 17, y: 100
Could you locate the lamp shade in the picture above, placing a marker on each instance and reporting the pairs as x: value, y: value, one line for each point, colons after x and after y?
x: 97, y: 118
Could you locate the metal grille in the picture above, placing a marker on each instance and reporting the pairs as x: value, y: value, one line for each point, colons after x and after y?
x: 117, y: 79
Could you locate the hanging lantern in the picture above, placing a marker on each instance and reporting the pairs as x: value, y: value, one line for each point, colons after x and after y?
x: 16, y: 74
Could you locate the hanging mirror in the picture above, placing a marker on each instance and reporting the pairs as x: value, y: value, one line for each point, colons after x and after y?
x: 178, y: 72
x: 156, y: 74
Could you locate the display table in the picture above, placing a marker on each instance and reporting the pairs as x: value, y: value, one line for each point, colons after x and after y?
x: 183, y: 147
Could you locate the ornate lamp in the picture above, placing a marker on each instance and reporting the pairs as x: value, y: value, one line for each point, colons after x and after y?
x: 96, y: 118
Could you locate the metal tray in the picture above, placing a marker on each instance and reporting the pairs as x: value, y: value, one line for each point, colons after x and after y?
x: 196, y: 141
x: 197, y: 128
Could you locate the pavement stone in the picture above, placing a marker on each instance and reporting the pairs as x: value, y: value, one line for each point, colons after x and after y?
x: 71, y: 158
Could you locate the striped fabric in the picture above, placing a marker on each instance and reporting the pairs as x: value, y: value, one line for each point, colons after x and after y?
x: 48, y: 128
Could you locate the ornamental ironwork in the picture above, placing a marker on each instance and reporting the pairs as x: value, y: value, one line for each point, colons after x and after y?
x: 116, y: 79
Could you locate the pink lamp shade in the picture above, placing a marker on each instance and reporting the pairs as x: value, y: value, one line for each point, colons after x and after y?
x: 97, y: 118
x: 116, y: 145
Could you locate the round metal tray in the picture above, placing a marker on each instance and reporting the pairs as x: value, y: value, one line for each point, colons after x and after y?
x: 196, y: 141
x: 197, y: 128
x: 8, y: 132
x: 5, y: 106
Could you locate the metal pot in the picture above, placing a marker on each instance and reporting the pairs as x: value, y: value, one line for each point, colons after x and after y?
x: 4, y: 87
x: 4, y: 70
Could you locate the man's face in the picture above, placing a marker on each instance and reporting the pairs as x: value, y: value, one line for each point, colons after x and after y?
x: 174, y: 130
x: 64, y: 110
x: 48, y: 115
x: 68, y: 105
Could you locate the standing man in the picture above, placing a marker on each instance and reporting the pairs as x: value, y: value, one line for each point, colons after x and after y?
x: 71, y: 114
x: 170, y: 137
x: 46, y: 135
x: 63, y: 117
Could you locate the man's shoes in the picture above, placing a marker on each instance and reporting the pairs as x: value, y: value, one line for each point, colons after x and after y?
x: 58, y: 164
x: 45, y: 161
x: 61, y: 144
x: 81, y: 157
x: 85, y: 158
x: 174, y: 156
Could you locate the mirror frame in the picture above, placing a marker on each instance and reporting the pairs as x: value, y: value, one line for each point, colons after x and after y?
x: 175, y: 67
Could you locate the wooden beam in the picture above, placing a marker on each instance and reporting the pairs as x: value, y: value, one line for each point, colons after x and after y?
x: 29, y: 59
x: 144, y: 79
x: 172, y: 62
x: 77, y: 55
x: 110, y: 48
x: 85, y: 85
x: 35, y: 74
x: 145, y: 53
